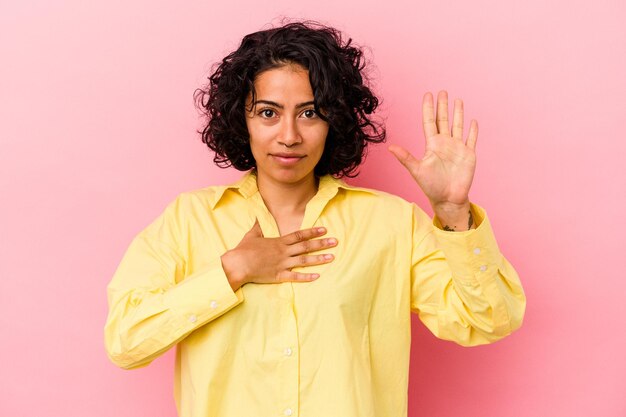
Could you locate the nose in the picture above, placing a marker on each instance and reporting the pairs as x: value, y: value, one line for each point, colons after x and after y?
x: 289, y: 135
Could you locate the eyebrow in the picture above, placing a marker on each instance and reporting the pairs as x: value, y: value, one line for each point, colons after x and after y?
x: 280, y: 106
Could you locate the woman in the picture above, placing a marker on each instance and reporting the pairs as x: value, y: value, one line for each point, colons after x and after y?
x: 290, y: 292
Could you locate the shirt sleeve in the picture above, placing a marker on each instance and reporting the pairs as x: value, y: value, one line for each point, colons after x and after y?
x: 153, y: 303
x: 462, y: 287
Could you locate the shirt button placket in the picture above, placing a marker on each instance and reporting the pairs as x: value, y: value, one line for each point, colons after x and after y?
x: 289, y: 364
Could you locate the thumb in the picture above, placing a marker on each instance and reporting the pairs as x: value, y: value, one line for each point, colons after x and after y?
x: 256, y: 229
x: 405, y: 158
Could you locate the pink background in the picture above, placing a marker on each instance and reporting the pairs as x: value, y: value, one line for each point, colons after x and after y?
x: 97, y: 131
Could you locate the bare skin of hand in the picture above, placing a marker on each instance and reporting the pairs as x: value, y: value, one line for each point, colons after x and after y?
x: 446, y: 170
x: 270, y: 260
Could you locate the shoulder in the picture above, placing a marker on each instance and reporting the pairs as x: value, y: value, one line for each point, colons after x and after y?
x: 393, y: 207
x: 374, y: 196
x: 206, y: 196
x: 190, y: 204
x: 385, y: 207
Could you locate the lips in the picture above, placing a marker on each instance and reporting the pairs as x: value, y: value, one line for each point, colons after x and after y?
x: 287, y: 159
x: 287, y: 155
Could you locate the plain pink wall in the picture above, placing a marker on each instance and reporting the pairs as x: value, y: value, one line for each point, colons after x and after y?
x: 97, y: 128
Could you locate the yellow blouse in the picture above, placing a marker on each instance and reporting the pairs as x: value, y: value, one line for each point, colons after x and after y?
x: 337, y: 346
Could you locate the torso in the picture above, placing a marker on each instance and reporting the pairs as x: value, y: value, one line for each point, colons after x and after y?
x: 288, y: 223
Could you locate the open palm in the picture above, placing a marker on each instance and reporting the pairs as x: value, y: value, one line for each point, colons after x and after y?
x: 446, y: 170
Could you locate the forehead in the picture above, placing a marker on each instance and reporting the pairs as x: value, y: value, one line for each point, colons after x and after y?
x: 286, y: 83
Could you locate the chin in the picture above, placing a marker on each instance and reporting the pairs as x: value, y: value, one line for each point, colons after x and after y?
x: 288, y: 176
x: 291, y: 177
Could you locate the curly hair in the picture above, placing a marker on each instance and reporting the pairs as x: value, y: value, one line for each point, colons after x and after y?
x: 339, y: 87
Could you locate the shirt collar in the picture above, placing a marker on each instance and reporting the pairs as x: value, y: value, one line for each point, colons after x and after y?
x: 247, y: 187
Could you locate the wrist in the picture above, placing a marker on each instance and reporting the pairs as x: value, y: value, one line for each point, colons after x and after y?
x: 454, y: 217
x: 235, y: 278
x: 450, y: 211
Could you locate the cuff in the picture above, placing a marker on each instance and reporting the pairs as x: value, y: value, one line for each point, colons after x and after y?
x: 471, y: 253
x: 203, y: 296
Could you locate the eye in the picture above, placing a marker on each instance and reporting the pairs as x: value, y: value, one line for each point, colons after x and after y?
x: 309, y: 114
x: 267, y: 113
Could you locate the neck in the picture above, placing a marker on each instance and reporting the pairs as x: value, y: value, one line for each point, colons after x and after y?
x: 281, y: 197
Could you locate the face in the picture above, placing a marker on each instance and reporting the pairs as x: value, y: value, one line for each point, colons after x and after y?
x: 287, y: 136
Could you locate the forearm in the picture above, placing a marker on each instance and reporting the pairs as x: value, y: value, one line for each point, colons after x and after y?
x: 144, y: 322
x: 155, y: 301
x: 464, y: 288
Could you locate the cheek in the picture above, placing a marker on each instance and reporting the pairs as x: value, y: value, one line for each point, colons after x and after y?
x: 317, y: 135
x: 257, y: 138
x: 255, y: 144
x: 322, y: 139
x: 257, y: 147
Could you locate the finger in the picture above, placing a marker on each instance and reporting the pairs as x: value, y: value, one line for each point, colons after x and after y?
x: 308, y: 260
x: 428, y: 116
x: 457, y: 120
x: 442, y: 113
x: 405, y: 158
x: 312, y: 245
x: 472, y: 138
x: 302, y: 235
x: 284, y: 276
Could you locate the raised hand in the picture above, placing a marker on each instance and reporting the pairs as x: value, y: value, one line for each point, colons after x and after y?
x: 446, y: 170
x: 270, y: 260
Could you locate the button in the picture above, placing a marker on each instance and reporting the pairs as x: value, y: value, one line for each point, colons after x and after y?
x: 288, y: 411
x: 213, y: 304
x: 476, y: 251
x: 288, y: 352
x: 193, y: 318
x: 483, y: 268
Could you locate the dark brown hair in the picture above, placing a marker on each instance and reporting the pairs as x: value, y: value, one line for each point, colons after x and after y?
x: 336, y: 75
